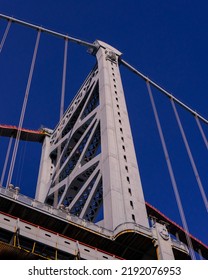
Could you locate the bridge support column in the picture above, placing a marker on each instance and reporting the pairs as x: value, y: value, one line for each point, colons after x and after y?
x: 163, y: 243
x: 122, y: 193
x: 44, y: 172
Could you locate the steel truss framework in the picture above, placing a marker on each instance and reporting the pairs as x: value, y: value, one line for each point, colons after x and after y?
x: 75, y: 154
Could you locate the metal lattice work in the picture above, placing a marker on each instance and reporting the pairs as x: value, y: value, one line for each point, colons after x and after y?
x: 75, y: 154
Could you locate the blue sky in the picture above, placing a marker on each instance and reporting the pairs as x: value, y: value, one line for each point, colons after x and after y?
x: 166, y: 40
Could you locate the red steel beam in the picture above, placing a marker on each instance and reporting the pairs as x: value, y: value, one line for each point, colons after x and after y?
x: 26, y: 134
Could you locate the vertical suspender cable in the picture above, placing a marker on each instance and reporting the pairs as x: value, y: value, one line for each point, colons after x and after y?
x: 21, y: 163
x: 196, y: 173
x: 10, y: 141
x: 23, y: 110
x: 55, y: 202
x: 64, y: 79
x: 163, y: 91
x: 5, y: 35
x: 6, y: 161
x: 172, y: 176
x: 202, y: 132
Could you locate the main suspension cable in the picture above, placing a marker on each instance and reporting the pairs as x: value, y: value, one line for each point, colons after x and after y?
x: 54, y: 33
x: 134, y: 70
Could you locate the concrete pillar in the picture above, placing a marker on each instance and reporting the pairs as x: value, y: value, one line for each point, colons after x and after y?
x: 122, y: 190
x: 44, y: 172
x: 164, y: 244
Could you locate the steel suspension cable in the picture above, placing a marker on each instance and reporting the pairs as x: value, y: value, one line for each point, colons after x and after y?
x: 23, y: 109
x: 64, y: 79
x: 49, y: 31
x: 55, y: 203
x: 202, y: 132
x: 21, y: 162
x: 171, y: 173
x: 196, y: 173
x: 6, y: 161
x: 5, y: 35
x: 165, y: 92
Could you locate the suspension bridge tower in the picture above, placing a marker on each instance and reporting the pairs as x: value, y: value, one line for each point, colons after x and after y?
x: 91, y: 165
x: 89, y: 201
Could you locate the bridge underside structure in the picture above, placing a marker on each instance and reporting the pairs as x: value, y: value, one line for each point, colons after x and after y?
x: 33, y: 230
x: 89, y: 201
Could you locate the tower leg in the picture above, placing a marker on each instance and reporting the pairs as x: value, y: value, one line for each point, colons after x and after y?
x: 123, y: 198
x: 44, y: 172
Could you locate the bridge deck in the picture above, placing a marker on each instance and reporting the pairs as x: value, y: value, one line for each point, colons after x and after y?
x: 139, y: 244
x: 135, y: 243
x: 18, y: 237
